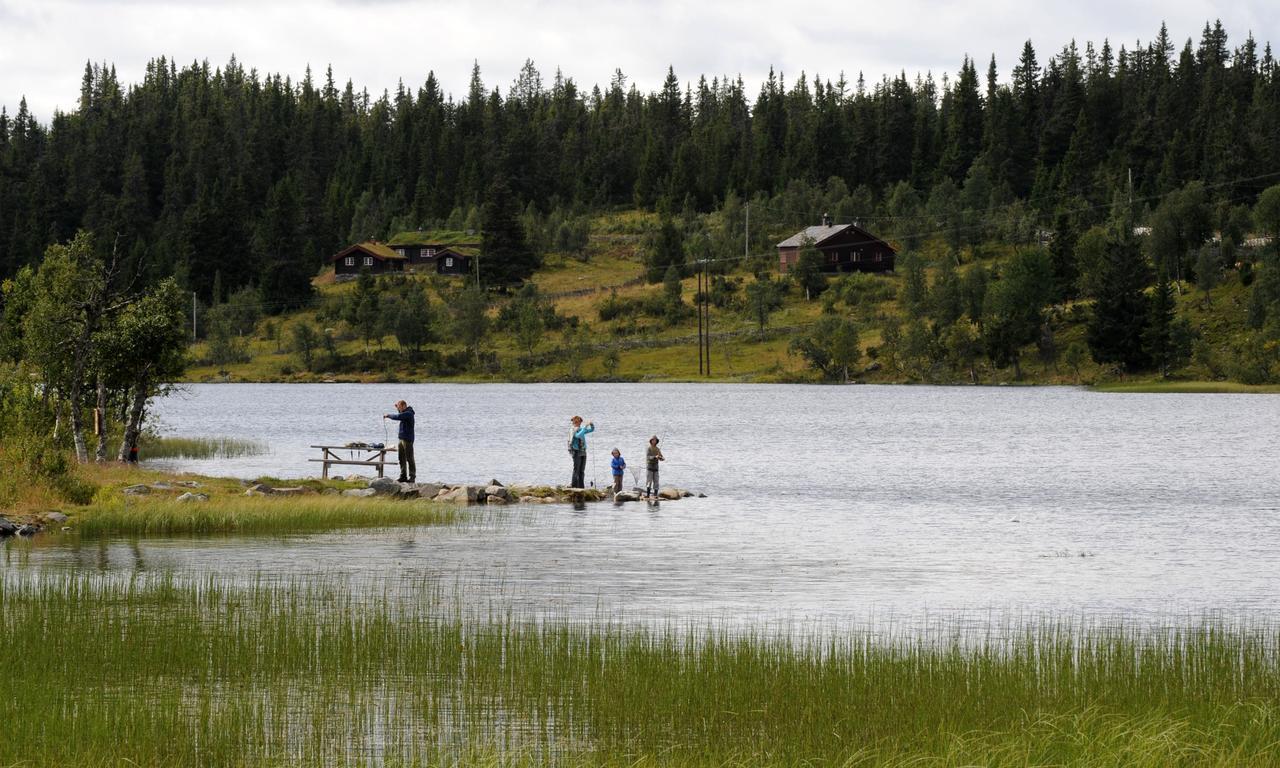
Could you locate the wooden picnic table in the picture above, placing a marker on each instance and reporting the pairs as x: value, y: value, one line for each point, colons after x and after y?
x: 369, y: 457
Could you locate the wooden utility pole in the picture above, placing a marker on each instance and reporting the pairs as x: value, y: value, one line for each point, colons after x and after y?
x: 700, y: 298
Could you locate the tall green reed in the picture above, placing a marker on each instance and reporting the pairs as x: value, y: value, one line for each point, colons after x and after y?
x: 158, y: 671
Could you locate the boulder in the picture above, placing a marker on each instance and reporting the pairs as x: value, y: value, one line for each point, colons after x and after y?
x: 298, y: 490
x: 331, y: 492
x: 252, y: 492
x: 702, y: 495
x: 55, y: 517
x: 495, y: 500
x: 495, y: 482
x: 462, y: 494
x: 497, y: 490
x: 360, y: 493
x: 190, y: 497
x: 7, y: 528
x: 262, y: 488
x: 670, y: 494
x: 429, y: 490
x: 384, y: 486
x: 137, y: 490
x: 337, y: 478
x: 29, y: 529
x: 621, y: 496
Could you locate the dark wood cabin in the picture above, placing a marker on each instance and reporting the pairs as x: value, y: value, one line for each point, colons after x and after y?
x: 423, y: 248
x: 370, y: 255
x: 844, y: 247
x: 456, y: 260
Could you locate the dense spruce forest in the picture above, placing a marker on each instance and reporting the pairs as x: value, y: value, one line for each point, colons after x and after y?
x: 222, y: 175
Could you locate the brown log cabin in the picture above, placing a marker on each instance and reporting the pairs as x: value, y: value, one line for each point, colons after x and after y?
x: 430, y: 250
x: 844, y: 247
x: 370, y: 255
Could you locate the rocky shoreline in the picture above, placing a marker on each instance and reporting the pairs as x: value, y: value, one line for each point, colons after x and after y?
x: 493, y: 493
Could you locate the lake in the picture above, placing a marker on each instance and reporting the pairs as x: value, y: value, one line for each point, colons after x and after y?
x: 825, y: 505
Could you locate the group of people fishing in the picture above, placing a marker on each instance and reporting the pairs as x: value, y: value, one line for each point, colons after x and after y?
x: 617, y: 465
x: 577, y: 449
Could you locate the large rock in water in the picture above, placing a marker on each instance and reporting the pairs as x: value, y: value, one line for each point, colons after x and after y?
x: 671, y: 494
x: 429, y: 490
x: 7, y: 528
x: 498, y: 491
x: 462, y: 494
x: 384, y: 486
x: 621, y: 496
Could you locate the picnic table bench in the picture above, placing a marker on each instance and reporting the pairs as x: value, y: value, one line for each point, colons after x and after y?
x: 368, y: 456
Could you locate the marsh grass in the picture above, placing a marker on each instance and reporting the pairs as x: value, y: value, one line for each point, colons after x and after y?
x: 153, y: 671
x: 226, y: 513
x: 151, y: 447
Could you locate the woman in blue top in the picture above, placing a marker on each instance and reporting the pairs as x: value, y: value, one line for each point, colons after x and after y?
x: 578, y: 450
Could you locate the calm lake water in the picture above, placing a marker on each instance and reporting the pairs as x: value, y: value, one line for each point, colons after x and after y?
x: 825, y: 504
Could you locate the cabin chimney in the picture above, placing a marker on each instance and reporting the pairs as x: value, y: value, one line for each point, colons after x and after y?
x: 826, y: 219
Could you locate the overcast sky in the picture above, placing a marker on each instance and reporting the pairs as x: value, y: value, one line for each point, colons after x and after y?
x: 44, y: 44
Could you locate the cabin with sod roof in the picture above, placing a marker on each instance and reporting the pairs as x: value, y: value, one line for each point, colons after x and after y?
x: 456, y: 260
x: 844, y: 248
x: 370, y: 255
x: 425, y: 249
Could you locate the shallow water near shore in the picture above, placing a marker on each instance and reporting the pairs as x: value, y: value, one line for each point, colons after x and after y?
x: 826, y: 505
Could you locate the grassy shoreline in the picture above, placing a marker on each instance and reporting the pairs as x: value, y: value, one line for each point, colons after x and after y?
x: 155, y: 671
x: 320, y: 507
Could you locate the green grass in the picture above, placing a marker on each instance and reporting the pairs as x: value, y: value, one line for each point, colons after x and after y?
x: 118, y: 515
x: 1170, y: 386
x: 153, y: 671
x: 198, y: 447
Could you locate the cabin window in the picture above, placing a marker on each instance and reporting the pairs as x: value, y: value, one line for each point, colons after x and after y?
x: 833, y: 257
x: 350, y: 261
x: 448, y: 261
x: 368, y: 261
x: 400, y: 251
x: 429, y: 253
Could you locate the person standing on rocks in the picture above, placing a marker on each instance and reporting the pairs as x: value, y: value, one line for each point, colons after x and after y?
x: 618, y: 464
x: 652, y: 456
x: 404, y: 415
x: 578, y: 450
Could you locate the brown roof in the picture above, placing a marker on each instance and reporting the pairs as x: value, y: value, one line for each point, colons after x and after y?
x: 821, y: 234
x: 371, y: 247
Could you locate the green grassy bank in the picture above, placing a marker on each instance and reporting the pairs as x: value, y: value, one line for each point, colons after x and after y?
x: 108, y: 511
x: 154, y: 672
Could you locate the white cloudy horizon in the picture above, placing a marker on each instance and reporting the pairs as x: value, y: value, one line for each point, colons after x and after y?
x: 44, y: 44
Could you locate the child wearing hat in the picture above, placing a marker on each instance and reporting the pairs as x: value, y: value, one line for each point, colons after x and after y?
x: 652, y: 456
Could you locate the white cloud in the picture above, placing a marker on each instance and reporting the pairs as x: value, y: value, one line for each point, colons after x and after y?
x: 375, y: 43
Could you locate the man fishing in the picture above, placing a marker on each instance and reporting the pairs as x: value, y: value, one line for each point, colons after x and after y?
x: 578, y: 450
x: 404, y: 415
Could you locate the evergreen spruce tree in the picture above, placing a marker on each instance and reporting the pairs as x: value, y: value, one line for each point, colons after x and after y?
x: 1157, y: 338
x: 285, y: 277
x: 505, y: 255
x: 1120, y: 312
